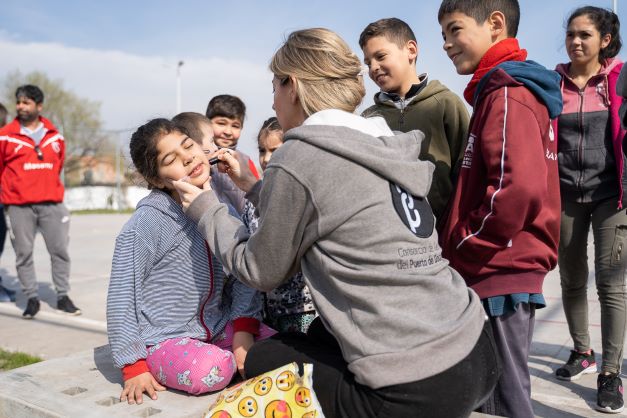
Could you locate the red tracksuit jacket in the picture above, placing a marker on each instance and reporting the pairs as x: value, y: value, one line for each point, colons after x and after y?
x: 24, y: 177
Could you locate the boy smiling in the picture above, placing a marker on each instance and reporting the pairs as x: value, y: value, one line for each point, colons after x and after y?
x: 408, y: 101
x: 502, y: 230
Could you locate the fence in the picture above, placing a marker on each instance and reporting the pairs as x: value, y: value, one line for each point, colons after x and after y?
x: 103, y: 197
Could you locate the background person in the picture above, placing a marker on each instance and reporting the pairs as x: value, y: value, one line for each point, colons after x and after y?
x: 32, y: 152
x: 592, y: 185
x: 6, y: 295
x: 289, y: 307
x: 227, y: 114
x: 409, y: 101
x: 200, y: 129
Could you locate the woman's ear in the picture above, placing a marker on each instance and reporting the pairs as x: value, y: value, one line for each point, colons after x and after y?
x: 293, y: 90
x: 605, y: 40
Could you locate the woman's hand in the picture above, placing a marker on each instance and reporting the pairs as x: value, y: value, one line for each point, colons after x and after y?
x: 188, y: 192
x: 136, y: 386
x: 242, y: 341
x: 232, y: 163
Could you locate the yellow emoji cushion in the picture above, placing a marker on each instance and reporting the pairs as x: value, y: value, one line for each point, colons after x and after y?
x: 281, y: 393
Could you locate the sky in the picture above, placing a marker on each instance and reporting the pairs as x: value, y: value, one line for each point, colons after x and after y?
x: 124, y: 54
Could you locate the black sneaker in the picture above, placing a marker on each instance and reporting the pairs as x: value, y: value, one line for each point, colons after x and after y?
x: 65, y: 305
x: 577, y: 365
x: 32, y: 307
x: 609, y: 393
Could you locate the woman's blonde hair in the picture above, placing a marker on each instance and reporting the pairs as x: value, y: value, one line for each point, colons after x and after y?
x: 327, y: 72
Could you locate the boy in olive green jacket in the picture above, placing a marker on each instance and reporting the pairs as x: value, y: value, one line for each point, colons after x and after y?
x: 408, y: 101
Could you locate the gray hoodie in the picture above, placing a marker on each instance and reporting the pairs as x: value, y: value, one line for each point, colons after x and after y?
x: 333, y: 203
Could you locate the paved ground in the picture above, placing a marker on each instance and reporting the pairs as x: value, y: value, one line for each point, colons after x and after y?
x: 52, y: 335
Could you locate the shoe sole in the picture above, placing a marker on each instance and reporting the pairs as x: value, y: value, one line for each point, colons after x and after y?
x: 28, y: 316
x: 589, y: 370
x: 78, y: 312
x: 608, y: 410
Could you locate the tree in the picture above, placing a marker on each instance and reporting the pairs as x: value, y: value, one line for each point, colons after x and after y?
x: 77, y: 118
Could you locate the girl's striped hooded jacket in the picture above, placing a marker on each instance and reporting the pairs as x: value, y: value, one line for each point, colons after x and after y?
x: 165, y: 283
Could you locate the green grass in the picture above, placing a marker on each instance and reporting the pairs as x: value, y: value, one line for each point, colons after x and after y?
x: 101, y: 211
x: 9, y: 360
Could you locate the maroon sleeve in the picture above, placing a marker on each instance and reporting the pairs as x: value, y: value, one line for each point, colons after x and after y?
x: 513, y: 153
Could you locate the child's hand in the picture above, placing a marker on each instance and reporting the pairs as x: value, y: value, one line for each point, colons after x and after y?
x: 188, y: 192
x: 242, y: 341
x: 231, y: 162
x: 135, y: 387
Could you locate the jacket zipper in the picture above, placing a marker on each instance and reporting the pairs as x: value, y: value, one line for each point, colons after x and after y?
x: 580, y: 149
x: 202, y: 309
x: 401, y: 120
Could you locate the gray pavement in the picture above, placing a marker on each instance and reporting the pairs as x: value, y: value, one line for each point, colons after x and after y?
x: 53, y: 336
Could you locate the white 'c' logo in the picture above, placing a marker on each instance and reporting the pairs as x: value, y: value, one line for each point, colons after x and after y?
x: 408, y: 206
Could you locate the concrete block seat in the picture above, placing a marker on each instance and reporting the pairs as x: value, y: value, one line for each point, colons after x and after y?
x: 85, y: 385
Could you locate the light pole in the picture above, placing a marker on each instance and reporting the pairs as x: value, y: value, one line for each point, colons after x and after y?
x: 117, y: 204
x: 178, y: 87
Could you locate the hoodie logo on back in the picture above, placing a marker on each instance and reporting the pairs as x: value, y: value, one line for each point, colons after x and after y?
x: 415, y: 212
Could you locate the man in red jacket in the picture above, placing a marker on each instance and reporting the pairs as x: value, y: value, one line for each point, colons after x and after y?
x: 32, y: 152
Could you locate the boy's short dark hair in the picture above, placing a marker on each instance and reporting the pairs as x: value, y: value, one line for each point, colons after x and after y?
x: 191, y: 122
x: 393, y: 29
x: 480, y: 10
x: 227, y: 106
x: 31, y: 92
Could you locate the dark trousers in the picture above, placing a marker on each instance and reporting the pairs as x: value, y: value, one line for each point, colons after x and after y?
x: 513, y: 333
x: 456, y: 392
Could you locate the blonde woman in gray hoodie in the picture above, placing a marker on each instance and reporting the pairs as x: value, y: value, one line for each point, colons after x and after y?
x: 344, y: 201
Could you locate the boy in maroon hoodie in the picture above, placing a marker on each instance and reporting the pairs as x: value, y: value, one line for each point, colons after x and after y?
x: 502, y: 227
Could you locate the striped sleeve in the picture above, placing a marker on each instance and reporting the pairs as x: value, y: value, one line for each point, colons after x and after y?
x: 130, y: 259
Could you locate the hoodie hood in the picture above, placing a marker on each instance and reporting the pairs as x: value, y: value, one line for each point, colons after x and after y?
x: 371, y: 144
x: 607, y: 67
x: 162, y: 202
x: 543, y: 83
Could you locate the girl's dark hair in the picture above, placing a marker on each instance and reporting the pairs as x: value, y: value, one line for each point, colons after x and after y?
x: 606, y: 22
x: 269, y: 125
x: 143, y: 146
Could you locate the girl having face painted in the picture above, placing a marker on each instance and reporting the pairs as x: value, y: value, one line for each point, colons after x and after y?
x: 175, y: 319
